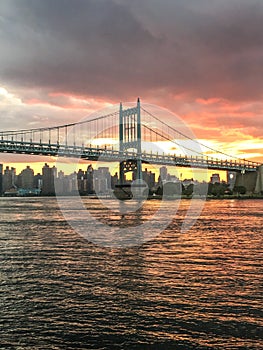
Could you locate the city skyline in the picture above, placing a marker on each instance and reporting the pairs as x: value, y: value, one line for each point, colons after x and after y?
x: 96, y: 182
x: 51, y: 180
x: 69, y: 168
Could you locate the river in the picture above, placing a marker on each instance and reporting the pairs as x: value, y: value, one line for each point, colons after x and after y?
x: 197, y: 289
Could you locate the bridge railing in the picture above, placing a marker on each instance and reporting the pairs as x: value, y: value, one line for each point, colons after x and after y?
x: 83, y: 151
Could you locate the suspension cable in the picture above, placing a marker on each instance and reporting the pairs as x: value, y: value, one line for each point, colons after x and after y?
x: 167, y: 139
x: 188, y: 137
x: 57, y: 126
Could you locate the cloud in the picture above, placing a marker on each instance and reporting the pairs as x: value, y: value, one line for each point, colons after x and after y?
x: 119, y: 50
x: 61, y: 60
x: 37, y: 109
x: 89, y: 48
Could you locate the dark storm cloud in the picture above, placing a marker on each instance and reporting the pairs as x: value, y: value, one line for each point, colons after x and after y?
x: 88, y: 47
x: 119, y: 49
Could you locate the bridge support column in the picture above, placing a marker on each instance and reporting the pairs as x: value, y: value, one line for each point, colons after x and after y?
x: 130, y: 138
x: 139, y: 170
x: 248, y: 180
x: 259, y: 181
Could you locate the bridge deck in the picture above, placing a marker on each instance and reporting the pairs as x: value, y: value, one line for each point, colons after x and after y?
x: 109, y: 155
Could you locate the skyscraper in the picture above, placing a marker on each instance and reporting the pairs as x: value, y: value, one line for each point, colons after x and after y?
x: 38, y: 181
x: 48, y: 179
x: 149, y: 178
x: 9, y: 179
x: 1, y: 179
x: 102, y: 180
x: 26, y: 180
x: 163, y: 173
x: 81, y: 181
x: 89, y: 185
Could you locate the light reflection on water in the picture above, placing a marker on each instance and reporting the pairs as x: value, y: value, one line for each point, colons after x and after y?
x: 195, y: 290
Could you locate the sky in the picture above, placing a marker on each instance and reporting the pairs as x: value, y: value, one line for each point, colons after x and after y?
x: 62, y: 60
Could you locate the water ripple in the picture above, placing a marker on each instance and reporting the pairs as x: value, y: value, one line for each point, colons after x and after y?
x: 196, y: 290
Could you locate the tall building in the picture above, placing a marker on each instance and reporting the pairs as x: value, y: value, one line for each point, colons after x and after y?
x: 102, y: 180
x: 1, y: 179
x: 114, y: 180
x: 149, y: 178
x: 74, y: 182
x: 163, y: 173
x: 9, y: 179
x: 81, y: 178
x: 38, y: 181
x: 48, y: 180
x: 26, y: 178
x: 61, y: 184
x: 89, y: 180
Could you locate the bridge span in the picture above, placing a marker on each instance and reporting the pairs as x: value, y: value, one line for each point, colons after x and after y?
x: 111, y: 155
x: 129, y: 136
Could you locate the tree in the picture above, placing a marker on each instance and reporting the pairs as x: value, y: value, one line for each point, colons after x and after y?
x: 240, y: 190
x: 217, y: 189
x: 188, y: 191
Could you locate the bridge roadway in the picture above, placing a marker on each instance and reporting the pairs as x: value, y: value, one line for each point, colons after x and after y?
x: 109, y: 155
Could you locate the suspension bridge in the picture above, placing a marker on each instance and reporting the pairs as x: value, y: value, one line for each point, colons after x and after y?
x: 131, y: 136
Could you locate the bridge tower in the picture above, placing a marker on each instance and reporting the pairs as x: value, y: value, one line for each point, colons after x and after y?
x: 130, y: 137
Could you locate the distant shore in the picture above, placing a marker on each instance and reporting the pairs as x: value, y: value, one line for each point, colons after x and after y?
x: 152, y: 197
x: 211, y: 197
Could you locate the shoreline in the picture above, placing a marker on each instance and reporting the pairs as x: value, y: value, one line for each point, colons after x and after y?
x: 207, y: 198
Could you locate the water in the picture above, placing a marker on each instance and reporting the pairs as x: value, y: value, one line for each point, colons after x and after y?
x: 200, y: 289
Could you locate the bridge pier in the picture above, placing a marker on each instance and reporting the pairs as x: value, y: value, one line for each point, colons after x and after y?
x: 130, y: 138
x: 252, y: 181
x: 259, y: 181
x: 248, y: 180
